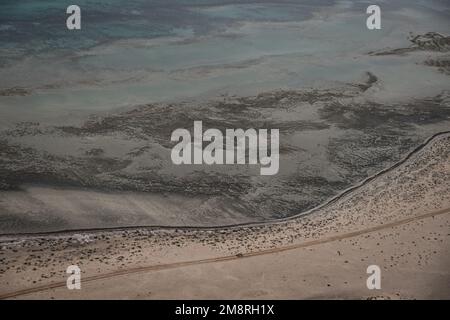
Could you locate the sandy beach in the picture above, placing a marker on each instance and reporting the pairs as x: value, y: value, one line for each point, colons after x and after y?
x: 398, y: 220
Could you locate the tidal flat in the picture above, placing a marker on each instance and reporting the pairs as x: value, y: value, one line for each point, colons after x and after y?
x: 86, y: 120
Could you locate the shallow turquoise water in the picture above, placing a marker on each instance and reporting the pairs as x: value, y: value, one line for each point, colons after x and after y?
x: 137, y: 52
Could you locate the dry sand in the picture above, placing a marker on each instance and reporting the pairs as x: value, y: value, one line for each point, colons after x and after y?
x: 399, y: 220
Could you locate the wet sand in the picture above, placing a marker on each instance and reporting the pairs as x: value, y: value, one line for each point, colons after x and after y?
x: 116, y: 171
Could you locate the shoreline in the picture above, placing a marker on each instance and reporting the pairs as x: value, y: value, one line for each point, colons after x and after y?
x: 399, y: 221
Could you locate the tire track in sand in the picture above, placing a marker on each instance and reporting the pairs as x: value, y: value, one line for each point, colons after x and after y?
x: 227, y: 258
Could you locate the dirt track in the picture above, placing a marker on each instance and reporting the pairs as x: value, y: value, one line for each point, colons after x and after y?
x: 229, y: 257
